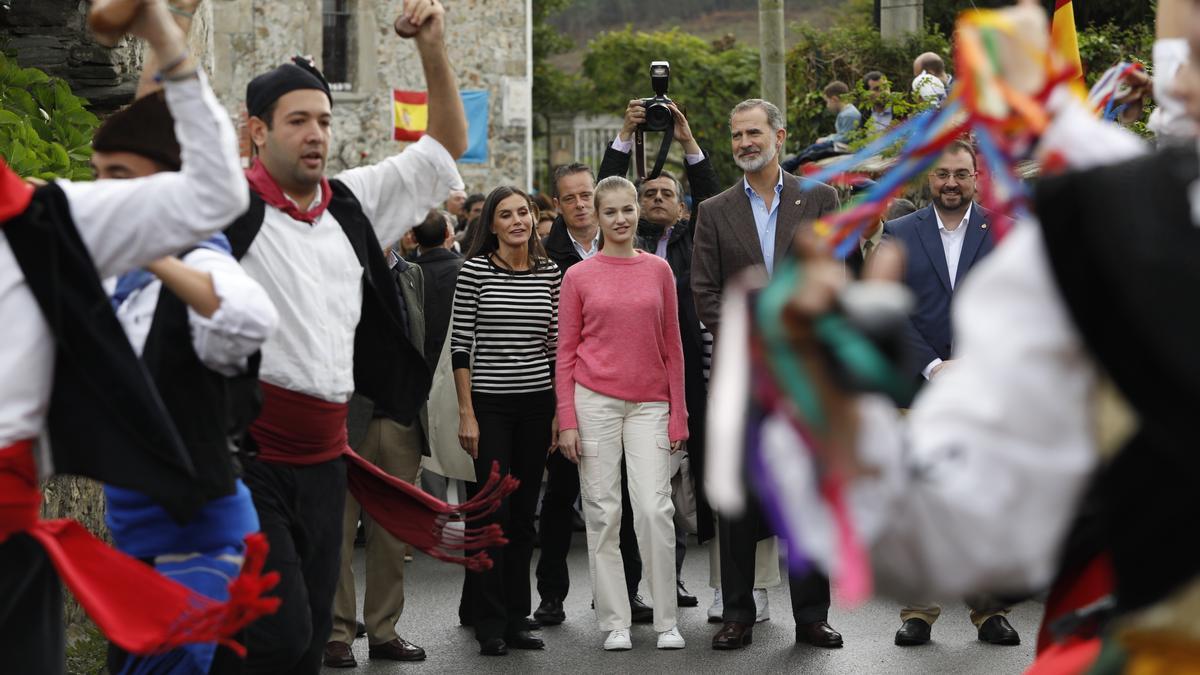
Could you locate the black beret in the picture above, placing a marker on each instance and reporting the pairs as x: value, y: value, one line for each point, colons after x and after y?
x: 267, y: 88
x: 145, y: 128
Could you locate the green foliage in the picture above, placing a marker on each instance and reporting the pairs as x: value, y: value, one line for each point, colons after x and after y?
x: 45, y: 130
x: 88, y: 653
x: 941, y: 13
x: 552, y: 88
x: 846, y: 51
x: 707, y: 80
x: 1101, y: 47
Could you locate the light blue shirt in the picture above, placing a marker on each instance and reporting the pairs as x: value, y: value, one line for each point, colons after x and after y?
x: 765, y: 220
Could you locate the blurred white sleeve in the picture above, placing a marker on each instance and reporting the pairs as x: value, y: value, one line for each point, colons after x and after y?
x: 245, y: 319
x: 1170, y: 119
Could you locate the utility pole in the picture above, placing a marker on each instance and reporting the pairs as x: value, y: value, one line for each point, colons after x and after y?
x: 900, y: 17
x: 772, y: 59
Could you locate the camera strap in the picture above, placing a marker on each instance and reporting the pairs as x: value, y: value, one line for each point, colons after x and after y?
x: 639, y: 153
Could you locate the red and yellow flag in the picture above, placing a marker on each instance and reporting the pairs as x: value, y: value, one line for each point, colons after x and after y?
x: 1063, y: 36
x: 411, y: 113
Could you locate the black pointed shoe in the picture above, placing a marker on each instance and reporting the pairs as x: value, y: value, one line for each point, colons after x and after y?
x: 550, y: 612
x: 639, y: 611
x: 493, y: 647
x: 683, y: 598
x: 819, y: 634
x: 998, y: 631
x: 523, y: 639
x: 914, y: 632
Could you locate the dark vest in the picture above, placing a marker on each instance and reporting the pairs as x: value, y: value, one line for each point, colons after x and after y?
x: 106, y: 421
x: 1124, y: 253
x: 211, y: 411
x: 388, y: 369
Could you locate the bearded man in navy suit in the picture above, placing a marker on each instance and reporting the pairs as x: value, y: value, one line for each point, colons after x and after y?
x: 943, y: 242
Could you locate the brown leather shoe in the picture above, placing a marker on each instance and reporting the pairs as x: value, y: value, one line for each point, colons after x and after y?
x: 819, y: 634
x: 397, y: 650
x: 338, y: 655
x: 733, y: 635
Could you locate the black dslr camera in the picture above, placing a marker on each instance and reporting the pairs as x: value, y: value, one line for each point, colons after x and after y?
x: 659, y: 118
x: 658, y: 115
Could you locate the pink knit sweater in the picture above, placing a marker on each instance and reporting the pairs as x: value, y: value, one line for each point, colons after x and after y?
x: 618, y: 335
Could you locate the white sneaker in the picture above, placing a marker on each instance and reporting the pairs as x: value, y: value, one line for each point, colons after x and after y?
x: 618, y: 641
x: 761, y: 605
x: 670, y: 639
x: 716, y: 611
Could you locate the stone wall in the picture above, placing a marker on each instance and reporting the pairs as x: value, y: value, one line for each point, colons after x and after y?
x: 487, y: 44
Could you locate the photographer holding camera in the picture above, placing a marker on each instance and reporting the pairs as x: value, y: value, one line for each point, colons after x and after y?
x: 662, y: 231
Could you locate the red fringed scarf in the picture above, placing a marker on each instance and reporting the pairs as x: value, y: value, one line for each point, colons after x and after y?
x: 14, y: 193
x: 138, y: 609
x: 297, y: 429
x: 265, y: 186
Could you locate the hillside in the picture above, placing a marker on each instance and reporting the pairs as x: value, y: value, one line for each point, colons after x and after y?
x: 708, y: 19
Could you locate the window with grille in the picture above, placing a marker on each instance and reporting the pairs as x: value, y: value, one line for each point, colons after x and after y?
x: 336, y: 48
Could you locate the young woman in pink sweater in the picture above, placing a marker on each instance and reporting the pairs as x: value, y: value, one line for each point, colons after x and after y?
x: 620, y: 393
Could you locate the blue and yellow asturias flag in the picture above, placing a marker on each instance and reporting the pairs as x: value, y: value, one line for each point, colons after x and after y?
x: 411, y: 114
x: 1064, y: 38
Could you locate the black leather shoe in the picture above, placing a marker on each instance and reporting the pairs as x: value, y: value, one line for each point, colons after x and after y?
x: 523, y: 639
x: 396, y: 650
x: 682, y: 597
x: 639, y: 611
x: 550, y: 612
x: 998, y: 631
x: 733, y: 635
x: 532, y: 623
x: 338, y: 655
x: 914, y: 632
x: 493, y: 647
x: 360, y: 629
x: 819, y: 634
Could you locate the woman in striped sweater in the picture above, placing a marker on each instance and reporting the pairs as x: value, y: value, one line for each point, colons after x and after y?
x: 503, y: 339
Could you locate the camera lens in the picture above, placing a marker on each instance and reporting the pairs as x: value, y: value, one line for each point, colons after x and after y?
x: 658, y: 117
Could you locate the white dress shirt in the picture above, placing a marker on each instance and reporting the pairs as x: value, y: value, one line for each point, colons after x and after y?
x: 584, y: 255
x: 314, y: 279
x: 223, y: 341
x: 952, y: 245
x: 124, y: 224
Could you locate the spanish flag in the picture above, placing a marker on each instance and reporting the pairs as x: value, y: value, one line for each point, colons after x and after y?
x: 411, y: 112
x: 1063, y: 37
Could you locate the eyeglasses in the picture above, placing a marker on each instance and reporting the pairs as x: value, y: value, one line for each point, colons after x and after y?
x: 960, y: 175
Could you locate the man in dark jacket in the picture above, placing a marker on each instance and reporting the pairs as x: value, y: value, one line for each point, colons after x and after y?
x: 439, y: 266
x: 663, y: 232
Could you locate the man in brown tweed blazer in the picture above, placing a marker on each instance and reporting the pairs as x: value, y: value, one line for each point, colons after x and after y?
x: 753, y: 225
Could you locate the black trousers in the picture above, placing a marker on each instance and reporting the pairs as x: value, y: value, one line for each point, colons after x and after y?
x: 300, y: 512
x: 514, y: 430
x: 31, y: 617
x: 557, y: 526
x: 739, y: 538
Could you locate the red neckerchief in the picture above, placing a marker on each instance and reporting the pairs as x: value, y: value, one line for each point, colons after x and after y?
x: 265, y: 186
x: 14, y: 193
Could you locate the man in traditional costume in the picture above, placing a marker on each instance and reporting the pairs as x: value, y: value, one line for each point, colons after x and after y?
x: 197, y: 321
x: 314, y: 245
x: 69, y: 370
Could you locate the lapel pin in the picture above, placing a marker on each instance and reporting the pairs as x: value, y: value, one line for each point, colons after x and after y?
x: 798, y: 202
x: 983, y: 226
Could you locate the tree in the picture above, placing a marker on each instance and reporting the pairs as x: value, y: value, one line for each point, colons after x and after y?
x: 707, y: 80
x: 552, y: 88
x: 45, y: 130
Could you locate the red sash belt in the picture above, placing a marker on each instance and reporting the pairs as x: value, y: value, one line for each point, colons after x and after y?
x: 138, y: 609
x: 297, y: 429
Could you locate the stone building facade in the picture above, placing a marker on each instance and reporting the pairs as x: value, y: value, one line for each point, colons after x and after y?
x: 488, y: 42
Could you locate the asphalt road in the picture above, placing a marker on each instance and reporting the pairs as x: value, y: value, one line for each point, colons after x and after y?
x: 430, y: 620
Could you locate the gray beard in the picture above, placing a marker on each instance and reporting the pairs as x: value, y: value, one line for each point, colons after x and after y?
x: 755, y: 165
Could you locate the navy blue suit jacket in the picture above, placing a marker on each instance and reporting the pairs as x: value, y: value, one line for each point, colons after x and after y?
x: 929, y: 334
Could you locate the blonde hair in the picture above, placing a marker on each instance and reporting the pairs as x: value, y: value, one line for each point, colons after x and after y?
x: 613, y: 184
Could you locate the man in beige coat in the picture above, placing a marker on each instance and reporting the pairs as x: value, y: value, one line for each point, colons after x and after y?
x: 751, y: 226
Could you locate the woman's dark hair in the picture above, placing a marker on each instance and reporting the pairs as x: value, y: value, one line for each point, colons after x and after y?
x: 485, y: 242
